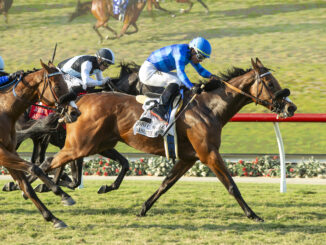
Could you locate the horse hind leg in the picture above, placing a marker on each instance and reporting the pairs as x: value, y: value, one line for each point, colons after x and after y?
x: 116, y: 156
x: 204, y: 5
x: 178, y: 170
x: 135, y: 31
x: 29, y: 192
x: 111, y: 30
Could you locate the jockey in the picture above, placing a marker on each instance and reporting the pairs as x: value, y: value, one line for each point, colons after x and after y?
x: 156, y: 70
x: 4, y: 76
x: 79, y: 69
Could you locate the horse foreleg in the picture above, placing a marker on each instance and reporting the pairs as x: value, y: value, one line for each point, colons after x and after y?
x: 13, y: 161
x: 29, y: 192
x: 111, y: 30
x: 132, y: 32
x: 158, y: 6
x: 216, y: 164
x: 95, y: 28
x: 116, y: 156
x: 204, y: 5
x: 178, y: 170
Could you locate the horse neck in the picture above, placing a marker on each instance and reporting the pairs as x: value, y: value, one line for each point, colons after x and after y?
x: 225, y: 102
x: 26, y: 93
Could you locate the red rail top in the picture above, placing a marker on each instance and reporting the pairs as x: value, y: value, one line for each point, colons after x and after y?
x: 270, y: 117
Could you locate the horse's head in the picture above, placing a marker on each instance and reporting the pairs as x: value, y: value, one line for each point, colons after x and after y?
x: 269, y: 92
x: 53, y: 91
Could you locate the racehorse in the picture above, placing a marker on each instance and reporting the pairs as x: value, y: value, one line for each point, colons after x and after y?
x: 46, y: 85
x: 103, y: 10
x: 81, y: 9
x: 109, y: 117
x: 5, y: 5
x: 47, y: 130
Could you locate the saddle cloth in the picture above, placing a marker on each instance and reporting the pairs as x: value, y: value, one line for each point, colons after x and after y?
x: 37, y: 112
x: 148, y: 125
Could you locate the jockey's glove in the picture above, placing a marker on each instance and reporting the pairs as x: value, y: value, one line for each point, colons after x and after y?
x: 197, y: 89
x: 15, y: 75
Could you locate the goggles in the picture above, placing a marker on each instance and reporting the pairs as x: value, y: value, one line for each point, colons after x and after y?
x: 200, y: 56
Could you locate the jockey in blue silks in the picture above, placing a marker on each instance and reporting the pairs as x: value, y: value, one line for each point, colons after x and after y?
x: 156, y: 70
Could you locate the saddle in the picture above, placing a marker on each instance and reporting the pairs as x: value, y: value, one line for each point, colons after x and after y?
x: 149, y: 126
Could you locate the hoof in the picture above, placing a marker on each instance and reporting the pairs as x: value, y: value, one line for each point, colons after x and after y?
x: 103, y: 189
x: 68, y: 201
x: 11, y: 186
x: 24, y: 196
x: 59, y: 224
x: 41, y: 188
x: 256, y: 218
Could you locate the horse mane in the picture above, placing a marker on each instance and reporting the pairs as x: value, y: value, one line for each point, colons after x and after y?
x: 233, y: 72
x: 129, y: 67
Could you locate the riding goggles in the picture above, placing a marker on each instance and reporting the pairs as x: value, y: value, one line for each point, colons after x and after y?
x: 200, y: 56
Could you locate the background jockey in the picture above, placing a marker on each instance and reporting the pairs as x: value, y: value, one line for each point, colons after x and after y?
x: 4, y: 76
x: 156, y: 70
x: 79, y: 69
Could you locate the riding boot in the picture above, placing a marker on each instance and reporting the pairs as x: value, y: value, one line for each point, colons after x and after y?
x: 166, y: 98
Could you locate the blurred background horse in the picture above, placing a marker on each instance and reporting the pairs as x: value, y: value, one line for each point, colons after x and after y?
x: 5, y: 5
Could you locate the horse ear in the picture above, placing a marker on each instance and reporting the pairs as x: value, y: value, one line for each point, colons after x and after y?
x: 258, y: 62
x: 44, y: 66
x: 254, y: 65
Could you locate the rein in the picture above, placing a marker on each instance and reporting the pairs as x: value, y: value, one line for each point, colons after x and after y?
x: 254, y: 98
x: 47, y: 83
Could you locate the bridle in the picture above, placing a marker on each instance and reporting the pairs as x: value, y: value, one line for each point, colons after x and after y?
x: 58, y: 108
x: 259, y: 79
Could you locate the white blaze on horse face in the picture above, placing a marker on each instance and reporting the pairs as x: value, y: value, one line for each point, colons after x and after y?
x: 288, y: 100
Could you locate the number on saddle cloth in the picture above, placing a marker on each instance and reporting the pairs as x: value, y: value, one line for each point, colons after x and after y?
x: 38, y: 112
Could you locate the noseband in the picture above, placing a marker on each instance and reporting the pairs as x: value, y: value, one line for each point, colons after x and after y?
x: 59, y: 109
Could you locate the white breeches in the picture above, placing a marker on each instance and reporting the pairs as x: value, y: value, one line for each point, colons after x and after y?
x: 149, y: 75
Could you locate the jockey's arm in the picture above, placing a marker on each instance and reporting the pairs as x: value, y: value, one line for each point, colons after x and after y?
x: 87, y: 81
x: 4, y: 79
x: 180, y: 66
x: 201, y: 70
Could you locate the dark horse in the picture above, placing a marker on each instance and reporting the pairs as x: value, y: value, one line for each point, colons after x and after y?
x: 5, y: 5
x: 46, y: 85
x: 199, y: 127
x: 103, y: 10
x: 47, y: 130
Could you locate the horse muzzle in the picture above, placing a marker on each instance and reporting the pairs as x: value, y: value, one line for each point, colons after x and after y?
x: 282, y: 105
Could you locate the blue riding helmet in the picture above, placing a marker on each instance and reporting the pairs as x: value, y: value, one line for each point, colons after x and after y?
x: 2, y: 64
x: 202, y: 46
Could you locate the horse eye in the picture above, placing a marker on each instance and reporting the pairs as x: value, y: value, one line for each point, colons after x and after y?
x: 271, y: 85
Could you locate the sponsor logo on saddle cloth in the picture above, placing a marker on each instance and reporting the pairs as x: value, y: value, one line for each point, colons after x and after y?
x: 38, y: 112
x: 148, y: 125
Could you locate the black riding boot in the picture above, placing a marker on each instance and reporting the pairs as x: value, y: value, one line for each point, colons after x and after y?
x: 166, y: 97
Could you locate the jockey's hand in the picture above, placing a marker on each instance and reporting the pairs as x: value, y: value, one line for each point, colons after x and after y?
x: 214, y: 77
x: 84, y: 86
x: 197, y: 89
x: 106, y: 80
x: 15, y: 75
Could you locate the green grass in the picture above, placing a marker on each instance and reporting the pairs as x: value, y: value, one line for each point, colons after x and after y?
x: 288, y: 36
x: 189, y: 213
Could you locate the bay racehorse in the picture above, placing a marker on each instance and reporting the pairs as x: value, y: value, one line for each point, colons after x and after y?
x: 46, y: 85
x: 103, y: 10
x: 109, y: 117
x: 5, y: 5
x: 47, y: 130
